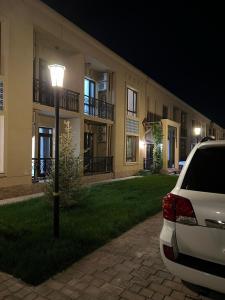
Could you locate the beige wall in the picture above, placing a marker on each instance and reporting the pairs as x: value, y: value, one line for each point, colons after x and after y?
x: 31, y: 29
x: 18, y: 107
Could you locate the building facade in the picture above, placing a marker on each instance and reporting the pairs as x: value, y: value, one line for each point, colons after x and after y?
x: 110, y: 104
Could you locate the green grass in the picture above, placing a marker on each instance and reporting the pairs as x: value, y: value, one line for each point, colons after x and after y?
x: 27, y: 249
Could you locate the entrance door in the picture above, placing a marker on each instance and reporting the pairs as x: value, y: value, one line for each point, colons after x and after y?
x: 89, y: 97
x: 149, y: 156
x: 88, y: 151
x: 171, y: 146
x: 44, y: 150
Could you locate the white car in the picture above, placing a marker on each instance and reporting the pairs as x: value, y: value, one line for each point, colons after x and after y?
x: 192, y: 240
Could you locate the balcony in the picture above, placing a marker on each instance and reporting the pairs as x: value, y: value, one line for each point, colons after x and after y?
x: 43, y: 94
x: 98, y: 108
x: 98, y: 165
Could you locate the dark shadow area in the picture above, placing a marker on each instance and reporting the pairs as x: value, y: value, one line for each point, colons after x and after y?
x: 204, y: 291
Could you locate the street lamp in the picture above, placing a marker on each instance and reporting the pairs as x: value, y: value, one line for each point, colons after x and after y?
x: 57, y: 76
x: 197, y: 132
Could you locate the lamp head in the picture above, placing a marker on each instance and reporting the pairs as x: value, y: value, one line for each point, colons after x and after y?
x: 57, y: 75
x: 197, y: 130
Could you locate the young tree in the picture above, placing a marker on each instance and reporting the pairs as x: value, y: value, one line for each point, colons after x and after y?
x: 69, y: 171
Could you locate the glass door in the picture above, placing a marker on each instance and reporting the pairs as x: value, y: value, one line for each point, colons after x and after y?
x: 44, y: 150
x: 88, y: 151
x: 171, y: 146
x: 89, y: 97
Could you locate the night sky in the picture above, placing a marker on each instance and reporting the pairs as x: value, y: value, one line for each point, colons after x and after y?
x: 180, y: 46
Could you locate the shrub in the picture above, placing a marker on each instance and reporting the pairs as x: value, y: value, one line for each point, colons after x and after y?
x: 69, y: 172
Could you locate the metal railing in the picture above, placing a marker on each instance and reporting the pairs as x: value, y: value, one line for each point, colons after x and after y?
x: 148, y: 163
x: 98, y: 165
x: 43, y: 94
x: 98, y: 108
x: 41, y: 168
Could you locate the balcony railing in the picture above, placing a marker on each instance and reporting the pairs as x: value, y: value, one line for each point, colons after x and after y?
x: 148, y: 163
x: 98, y: 108
x: 43, y: 94
x: 98, y: 165
x: 41, y: 168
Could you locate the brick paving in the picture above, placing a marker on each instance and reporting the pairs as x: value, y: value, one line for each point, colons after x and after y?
x: 128, y: 268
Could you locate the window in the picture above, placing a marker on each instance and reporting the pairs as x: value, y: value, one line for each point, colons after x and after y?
x: 165, y: 112
x: 1, y: 144
x: 131, y: 148
x: 206, y: 171
x: 176, y: 115
x: 131, y: 103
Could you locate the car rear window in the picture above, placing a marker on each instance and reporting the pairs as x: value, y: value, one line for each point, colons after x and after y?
x: 206, y: 171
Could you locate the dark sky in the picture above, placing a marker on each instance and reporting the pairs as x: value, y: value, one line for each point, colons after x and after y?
x: 179, y: 45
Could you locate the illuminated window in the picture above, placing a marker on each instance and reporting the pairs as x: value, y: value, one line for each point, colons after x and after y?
x: 131, y: 148
x: 131, y: 103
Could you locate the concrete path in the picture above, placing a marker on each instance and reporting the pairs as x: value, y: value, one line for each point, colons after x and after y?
x: 128, y: 268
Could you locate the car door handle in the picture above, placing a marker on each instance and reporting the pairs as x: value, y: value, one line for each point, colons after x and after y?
x: 215, y: 224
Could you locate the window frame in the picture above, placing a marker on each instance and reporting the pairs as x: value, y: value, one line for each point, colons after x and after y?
x: 133, y: 157
x: 132, y: 113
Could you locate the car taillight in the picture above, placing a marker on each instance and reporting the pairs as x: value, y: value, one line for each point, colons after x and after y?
x: 178, y: 209
x: 169, y: 253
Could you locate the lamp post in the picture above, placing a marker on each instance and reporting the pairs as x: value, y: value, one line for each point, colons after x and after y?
x: 57, y: 76
x: 197, y: 132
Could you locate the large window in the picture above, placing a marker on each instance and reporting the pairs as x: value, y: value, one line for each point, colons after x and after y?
x: 176, y: 114
x: 131, y: 103
x: 1, y: 144
x: 131, y: 148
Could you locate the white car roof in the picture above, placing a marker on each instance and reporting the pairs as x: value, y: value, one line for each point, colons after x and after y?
x: 211, y: 144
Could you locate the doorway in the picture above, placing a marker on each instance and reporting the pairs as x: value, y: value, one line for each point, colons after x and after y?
x: 171, y: 146
x: 45, y: 137
x: 149, y: 157
x: 89, y: 97
x: 88, y: 151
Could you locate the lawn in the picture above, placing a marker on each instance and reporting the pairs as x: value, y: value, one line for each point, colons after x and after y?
x: 27, y: 249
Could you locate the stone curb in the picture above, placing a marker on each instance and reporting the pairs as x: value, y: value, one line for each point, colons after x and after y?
x: 20, y: 199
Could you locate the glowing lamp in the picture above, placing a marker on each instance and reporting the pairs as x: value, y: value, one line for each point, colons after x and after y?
x: 57, y: 75
x: 197, y: 131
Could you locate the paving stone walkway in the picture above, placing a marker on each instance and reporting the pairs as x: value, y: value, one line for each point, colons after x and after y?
x: 128, y: 268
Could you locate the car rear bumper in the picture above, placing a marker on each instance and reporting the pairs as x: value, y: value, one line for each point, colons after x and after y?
x: 184, y: 270
x: 195, y: 276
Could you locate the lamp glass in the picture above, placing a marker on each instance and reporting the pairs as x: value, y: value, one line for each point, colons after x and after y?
x: 142, y: 144
x: 197, y: 130
x: 57, y: 74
